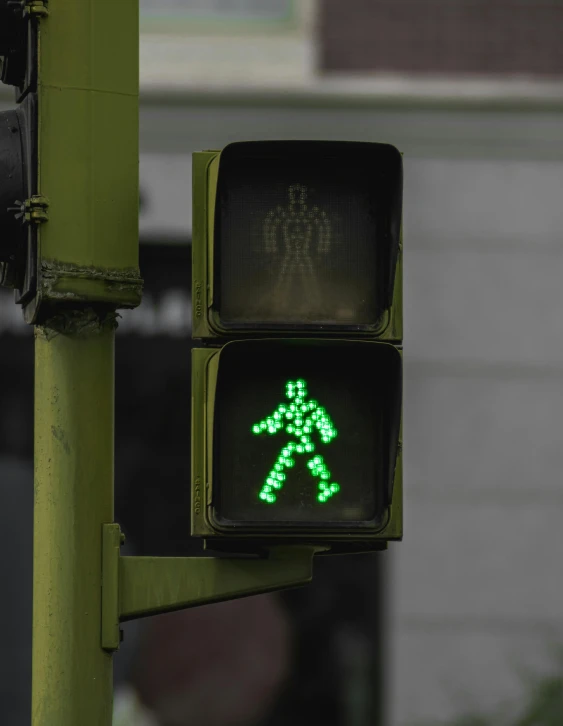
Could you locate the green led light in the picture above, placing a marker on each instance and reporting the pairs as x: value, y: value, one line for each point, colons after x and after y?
x: 300, y: 419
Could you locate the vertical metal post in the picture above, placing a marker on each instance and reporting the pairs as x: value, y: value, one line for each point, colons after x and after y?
x: 74, y: 451
x: 87, y: 267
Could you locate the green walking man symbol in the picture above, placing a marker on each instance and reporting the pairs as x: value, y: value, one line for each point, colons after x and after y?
x: 299, y: 419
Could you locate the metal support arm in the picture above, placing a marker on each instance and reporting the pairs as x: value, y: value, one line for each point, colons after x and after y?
x: 134, y: 587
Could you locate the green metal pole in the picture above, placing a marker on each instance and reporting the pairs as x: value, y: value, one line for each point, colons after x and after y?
x: 74, y: 449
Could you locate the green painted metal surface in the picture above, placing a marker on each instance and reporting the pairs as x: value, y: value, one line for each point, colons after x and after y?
x: 88, y: 150
x: 74, y: 413
x: 87, y: 252
x: 135, y: 587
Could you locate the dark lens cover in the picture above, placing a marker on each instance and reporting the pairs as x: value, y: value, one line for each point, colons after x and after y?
x: 306, y: 234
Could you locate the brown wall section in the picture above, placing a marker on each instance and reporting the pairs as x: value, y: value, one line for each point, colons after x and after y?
x: 477, y: 37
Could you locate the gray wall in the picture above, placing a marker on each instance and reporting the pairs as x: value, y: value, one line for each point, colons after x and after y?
x: 477, y: 587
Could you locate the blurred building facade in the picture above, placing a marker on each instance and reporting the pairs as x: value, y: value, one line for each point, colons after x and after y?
x: 472, y: 93
x: 440, y: 37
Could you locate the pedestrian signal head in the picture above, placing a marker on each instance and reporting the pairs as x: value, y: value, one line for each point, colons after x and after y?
x: 297, y: 313
x: 297, y: 235
x: 301, y: 437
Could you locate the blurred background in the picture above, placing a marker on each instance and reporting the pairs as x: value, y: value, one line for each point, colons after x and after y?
x: 466, y: 615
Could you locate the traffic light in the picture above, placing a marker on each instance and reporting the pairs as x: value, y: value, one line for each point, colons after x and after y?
x: 297, y: 316
x: 20, y: 207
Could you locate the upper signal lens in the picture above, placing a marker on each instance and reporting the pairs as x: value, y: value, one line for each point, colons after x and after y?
x: 306, y: 234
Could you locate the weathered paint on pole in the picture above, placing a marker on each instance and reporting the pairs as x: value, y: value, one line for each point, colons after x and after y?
x: 74, y: 448
x: 87, y: 91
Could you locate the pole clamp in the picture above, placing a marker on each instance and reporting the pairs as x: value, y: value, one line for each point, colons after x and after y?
x: 36, y: 209
x: 32, y: 210
x: 36, y: 9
